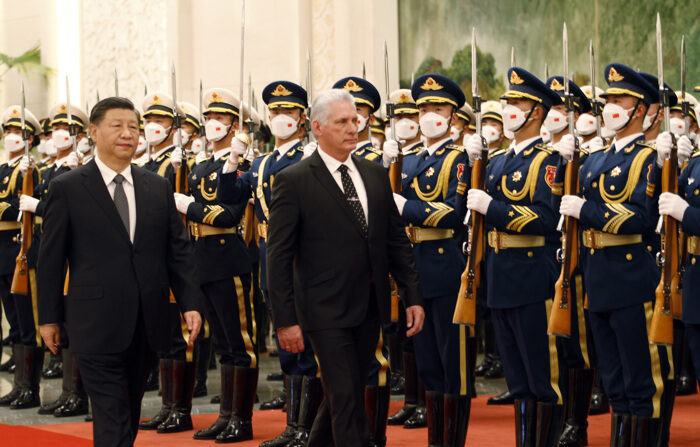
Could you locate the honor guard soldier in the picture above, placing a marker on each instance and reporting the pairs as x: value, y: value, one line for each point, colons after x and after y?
x: 287, y: 102
x: 655, y: 115
x: 367, y: 101
x: 73, y: 399
x: 463, y: 124
x: 44, y: 137
x: 141, y: 155
x: 27, y: 350
x: 613, y: 216
x: 224, y: 271
x: 586, y: 125
x: 190, y: 126
x: 159, y: 133
x: 522, y: 241
x: 431, y: 189
x: 378, y: 130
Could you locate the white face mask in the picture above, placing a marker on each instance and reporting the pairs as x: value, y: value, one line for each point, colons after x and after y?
x: 215, y: 130
x: 197, y: 145
x: 677, y: 126
x: 649, y: 120
x: 84, y: 146
x: 508, y: 134
x: 13, y: 142
x: 406, y: 129
x: 434, y: 125
x: 61, y: 139
x: 616, y: 117
x: 545, y: 135
x: 155, y: 133
x: 361, y: 123
x: 490, y: 134
x: 455, y: 133
x: 184, y: 137
x: 513, y: 118
x: 50, y: 148
x: 283, y: 126
x: 585, y: 124
x: 555, y: 121
x: 606, y: 133
x: 142, y: 146
x: 41, y: 147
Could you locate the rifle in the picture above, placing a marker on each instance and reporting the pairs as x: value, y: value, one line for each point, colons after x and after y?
x: 661, y: 332
x: 395, y: 169
x: 465, y: 309
x: 20, y: 278
x: 71, y: 127
x: 181, y: 185
x: 307, y: 124
x: 202, y: 131
x: 560, y: 318
x: 597, y: 107
x: 116, y: 82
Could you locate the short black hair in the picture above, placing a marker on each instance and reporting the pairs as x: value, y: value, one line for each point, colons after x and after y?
x: 100, y: 109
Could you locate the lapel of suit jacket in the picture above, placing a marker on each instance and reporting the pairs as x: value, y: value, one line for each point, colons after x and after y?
x: 140, y: 196
x: 324, y: 177
x: 96, y: 187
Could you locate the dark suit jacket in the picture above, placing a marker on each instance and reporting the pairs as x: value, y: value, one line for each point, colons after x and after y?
x: 316, y: 249
x: 111, y: 278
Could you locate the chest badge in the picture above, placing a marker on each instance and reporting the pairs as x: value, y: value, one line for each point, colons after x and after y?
x: 517, y: 176
x: 616, y: 171
x: 404, y: 175
x: 194, y: 177
x: 491, y: 177
x: 690, y: 180
x: 212, y: 176
x: 589, y: 175
x: 430, y: 172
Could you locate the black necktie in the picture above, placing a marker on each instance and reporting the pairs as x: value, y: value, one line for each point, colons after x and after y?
x: 352, y: 197
x: 121, y: 203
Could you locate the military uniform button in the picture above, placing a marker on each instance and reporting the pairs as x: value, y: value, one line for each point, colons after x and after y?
x: 265, y: 184
x: 692, y: 261
x: 697, y: 191
x: 530, y: 254
x: 592, y: 251
x: 594, y: 184
x: 441, y: 250
x: 628, y: 256
x: 427, y: 186
x: 222, y: 241
x: 612, y: 187
x: 650, y: 248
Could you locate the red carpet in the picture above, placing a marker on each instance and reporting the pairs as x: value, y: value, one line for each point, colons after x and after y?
x: 489, y: 427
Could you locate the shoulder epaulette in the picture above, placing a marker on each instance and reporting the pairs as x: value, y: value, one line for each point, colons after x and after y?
x: 456, y: 147
x: 544, y: 148
x: 697, y: 153
x: 414, y: 150
x: 496, y: 153
x: 604, y: 148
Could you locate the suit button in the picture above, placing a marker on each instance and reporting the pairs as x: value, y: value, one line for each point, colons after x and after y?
x: 441, y: 250
x: 222, y: 241
x: 628, y: 256
x: 592, y: 251
x: 498, y: 188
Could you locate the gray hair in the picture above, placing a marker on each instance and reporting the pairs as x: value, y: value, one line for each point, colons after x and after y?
x: 321, y: 107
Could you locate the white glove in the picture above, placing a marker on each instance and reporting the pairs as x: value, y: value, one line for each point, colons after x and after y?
x: 596, y: 143
x: 24, y: 165
x: 250, y: 155
x: 238, y: 146
x: 571, y: 206
x: 685, y: 149
x: 474, y: 148
x: 201, y: 156
x: 182, y: 202
x: 28, y: 203
x: 72, y: 160
x: 664, y: 143
x: 176, y: 158
x: 390, y: 152
x: 566, y: 147
x: 478, y: 200
x: 400, y: 202
x: 310, y: 148
x: 672, y: 205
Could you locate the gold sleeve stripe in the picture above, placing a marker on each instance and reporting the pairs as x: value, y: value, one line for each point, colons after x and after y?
x: 436, y: 217
x: 164, y: 167
x: 650, y: 189
x: 621, y: 215
x: 3, y: 207
x: 214, y: 211
x: 526, y: 216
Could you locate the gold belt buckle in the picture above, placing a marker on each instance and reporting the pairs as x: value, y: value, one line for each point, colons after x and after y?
x: 495, y: 240
x: 591, y: 239
x: 195, y: 230
x: 411, y: 233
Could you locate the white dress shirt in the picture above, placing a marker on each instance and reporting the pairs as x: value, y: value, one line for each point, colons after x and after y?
x: 283, y: 149
x: 623, y: 142
x: 332, y: 164
x: 520, y: 145
x: 108, y: 175
x: 435, y: 146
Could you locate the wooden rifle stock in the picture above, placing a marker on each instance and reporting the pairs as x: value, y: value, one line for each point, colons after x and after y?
x: 395, y: 180
x: 465, y: 309
x: 20, y: 279
x: 661, y: 332
x: 249, y: 223
x: 677, y: 281
x: 181, y: 185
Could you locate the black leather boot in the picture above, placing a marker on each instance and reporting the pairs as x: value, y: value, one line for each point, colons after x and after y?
x: 202, y: 354
x: 67, y: 384
x: 550, y: 419
x: 410, y: 390
x: 434, y: 405
x: 620, y: 427
x: 455, y: 420
x: 377, y: 409
x: 505, y: 398
x: 686, y: 383
x: 278, y: 402
x: 484, y: 366
x: 645, y: 432
x: 179, y: 418
x: 496, y: 370
x: 575, y: 433
x: 293, y: 385
x: 9, y: 363
x: 599, y: 400
x: 525, y: 422
x: 6, y: 400
x: 54, y: 369
x: 419, y: 418
x: 152, y: 379
x: 77, y: 402
x: 311, y: 397
x: 240, y: 426
x: 224, y: 406
x: 166, y: 380
x: 33, y: 359
x: 667, y: 402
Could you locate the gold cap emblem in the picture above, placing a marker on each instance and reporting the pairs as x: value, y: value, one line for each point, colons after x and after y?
x: 404, y: 98
x: 352, y: 86
x: 614, y: 76
x: 556, y: 85
x: 431, y: 84
x: 515, y: 79
x: 15, y: 114
x: 280, y: 90
x: 63, y: 108
x: 215, y: 97
x: 156, y: 100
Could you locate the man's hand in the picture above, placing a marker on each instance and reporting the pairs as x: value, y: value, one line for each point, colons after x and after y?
x: 52, y: 336
x: 414, y: 320
x: 390, y: 152
x: 24, y: 165
x: 291, y: 338
x: 664, y: 144
x: 309, y: 148
x: 194, y: 324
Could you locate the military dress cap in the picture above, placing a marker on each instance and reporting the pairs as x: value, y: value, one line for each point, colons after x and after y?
x: 581, y: 102
x: 13, y: 117
x: 690, y: 99
x: 493, y: 110
x: 139, y: 114
x: 467, y: 114
x: 158, y: 103
x: 45, y: 125
x: 284, y: 95
x: 362, y: 90
x: 437, y: 89
x: 403, y: 102
x: 622, y: 80
x: 378, y: 124
x: 653, y: 89
x: 588, y: 91
x: 220, y: 100
x: 525, y: 85
x: 59, y: 114
x: 191, y: 113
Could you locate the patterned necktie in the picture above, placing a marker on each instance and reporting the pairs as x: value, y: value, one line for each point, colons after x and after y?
x: 121, y: 203
x: 352, y: 198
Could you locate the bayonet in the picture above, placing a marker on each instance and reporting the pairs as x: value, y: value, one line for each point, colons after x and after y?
x: 116, y: 82
x: 364, y: 71
x: 389, y: 105
x: 685, y: 105
x: 476, y: 99
x: 69, y: 115
x: 307, y: 124
x: 594, y: 94
x: 25, y: 132
x: 202, y: 131
x: 546, y: 71
x: 569, y: 99
x: 177, y: 140
x: 97, y: 94
x: 663, y: 93
x: 242, y: 73
x: 512, y: 56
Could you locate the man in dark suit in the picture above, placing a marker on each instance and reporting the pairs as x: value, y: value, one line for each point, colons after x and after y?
x: 117, y: 229
x: 335, y: 235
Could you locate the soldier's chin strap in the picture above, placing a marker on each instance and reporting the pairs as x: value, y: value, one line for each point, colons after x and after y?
x: 629, y: 118
x: 527, y: 118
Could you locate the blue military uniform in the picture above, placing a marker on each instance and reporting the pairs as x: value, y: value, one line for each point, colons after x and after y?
x: 365, y: 94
